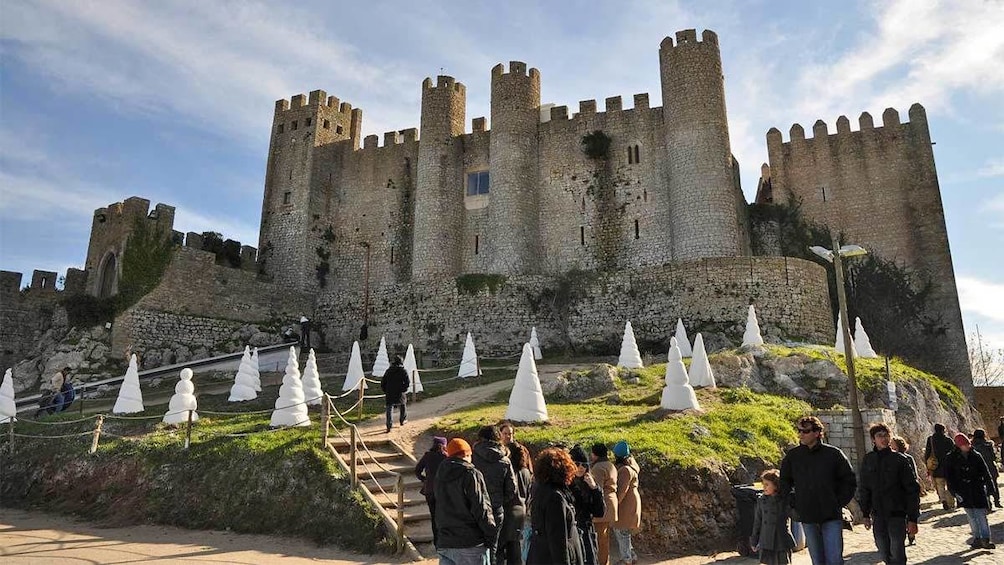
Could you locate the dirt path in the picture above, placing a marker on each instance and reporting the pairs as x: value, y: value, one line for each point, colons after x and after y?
x: 422, y: 415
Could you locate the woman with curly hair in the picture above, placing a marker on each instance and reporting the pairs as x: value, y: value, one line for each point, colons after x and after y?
x: 555, y: 538
x: 511, y: 535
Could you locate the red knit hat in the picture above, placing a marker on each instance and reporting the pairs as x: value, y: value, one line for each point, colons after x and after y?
x: 962, y: 440
x: 457, y: 447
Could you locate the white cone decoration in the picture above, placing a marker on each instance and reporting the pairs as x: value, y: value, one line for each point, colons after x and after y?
x: 526, y: 401
x: 469, y: 366
x: 862, y: 345
x: 630, y: 356
x: 130, y: 398
x: 8, y: 410
x: 312, y: 381
x: 682, y: 340
x: 701, y: 374
x: 411, y: 366
x: 535, y: 345
x: 290, y: 409
x: 678, y: 394
x: 257, y: 370
x: 244, y: 381
x: 182, y: 401
x: 752, y: 337
x: 355, y: 377
x: 839, y: 345
x: 382, y: 362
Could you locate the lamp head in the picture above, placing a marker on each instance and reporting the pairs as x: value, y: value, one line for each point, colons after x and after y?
x: 852, y: 250
x: 822, y: 252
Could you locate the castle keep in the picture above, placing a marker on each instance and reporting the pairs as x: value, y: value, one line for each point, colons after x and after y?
x: 519, y: 198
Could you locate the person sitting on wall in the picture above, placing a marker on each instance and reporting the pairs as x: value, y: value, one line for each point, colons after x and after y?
x: 304, y: 332
x: 61, y: 395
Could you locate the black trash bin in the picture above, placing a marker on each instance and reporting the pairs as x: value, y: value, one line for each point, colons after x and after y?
x: 746, y: 497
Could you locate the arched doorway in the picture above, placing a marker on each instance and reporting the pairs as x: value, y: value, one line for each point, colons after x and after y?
x: 108, y: 279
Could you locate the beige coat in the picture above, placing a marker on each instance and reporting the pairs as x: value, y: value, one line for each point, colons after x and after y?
x: 605, y: 475
x: 628, y: 498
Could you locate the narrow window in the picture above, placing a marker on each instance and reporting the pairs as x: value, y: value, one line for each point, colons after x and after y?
x: 45, y: 282
x: 291, y: 174
x: 282, y: 128
x: 306, y: 123
x: 477, y: 244
x: 294, y: 125
x: 637, y: 155
x: 644, y: 195
x: 630, y: 156
x: 286, y: 197
x: 583, y: 203
x: 477, y: 183
x: 636, y: 235
x: 338, y: 129
x: 327, y: 124
x: 391, y: 254
x: 582, y: 235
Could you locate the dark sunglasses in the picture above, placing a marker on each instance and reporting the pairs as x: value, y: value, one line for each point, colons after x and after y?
x: 805, y: 431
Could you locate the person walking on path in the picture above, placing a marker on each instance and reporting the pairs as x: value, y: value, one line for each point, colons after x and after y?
x: 395, y: 383
x: 969, y: 481
x: 889, y: 496
x: 986, y: 448
x: 628, y: 502
x: 899, y: 445
x: 555, y: 538
x: 605, y: 475
x: 492, y: 459
x: 304, y: 332
x: 588, y: 500
x: 464, y: 518
x: 821, y: 480
x: 511, y: 536
x: 426, y: 470
x: 771, y: 529
x: 937, y: 448
x: 1000, y: 436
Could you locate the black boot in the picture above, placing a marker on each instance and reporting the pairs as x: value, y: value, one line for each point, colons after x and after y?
x: 987, y: 544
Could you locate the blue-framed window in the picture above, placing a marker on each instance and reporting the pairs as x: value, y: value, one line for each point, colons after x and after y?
x: 477, y: 183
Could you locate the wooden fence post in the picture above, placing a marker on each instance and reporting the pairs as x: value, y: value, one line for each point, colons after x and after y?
x: 400, y: 512
x: 97, y: 433
x: 353, y: 473
x: 362, y: 394
x: 188, y: 430
x: 325, y: 417
x: 414, y: 374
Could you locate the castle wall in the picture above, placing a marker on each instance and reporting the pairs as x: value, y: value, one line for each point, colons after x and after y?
x: 27, y: 314
x: 711, y: 295
x: 195, y: 294
x: 879, y: 186
x: 588, y: 207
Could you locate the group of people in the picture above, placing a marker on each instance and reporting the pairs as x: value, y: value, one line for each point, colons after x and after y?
x: 493, y: 504
x: 816, y: 481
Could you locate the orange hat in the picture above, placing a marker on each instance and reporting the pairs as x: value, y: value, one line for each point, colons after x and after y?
x: 457, y: 447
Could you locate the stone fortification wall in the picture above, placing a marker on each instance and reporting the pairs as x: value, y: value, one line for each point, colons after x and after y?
x: 27, y: 314
x: 111, y: 227
x: 879, y: 186
x: 198, y: 301
x: 589, y: 309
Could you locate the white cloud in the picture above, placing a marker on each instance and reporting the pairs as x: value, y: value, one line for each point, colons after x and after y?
x: 992, y: 168
x: 981, y: 297
x: 187, y: 220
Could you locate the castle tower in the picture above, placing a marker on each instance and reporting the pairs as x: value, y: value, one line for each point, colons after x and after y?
x: 702, y: 195
x: 513, y: 209
x: 111, y: 228
x: 439, y: 205
x: 299, y: 126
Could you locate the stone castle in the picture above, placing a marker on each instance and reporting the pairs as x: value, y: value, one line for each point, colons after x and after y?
x: 640, y: 207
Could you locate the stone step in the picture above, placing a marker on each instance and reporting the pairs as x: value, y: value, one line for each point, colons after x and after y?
x: 410, y: 501
x: 389, y: 483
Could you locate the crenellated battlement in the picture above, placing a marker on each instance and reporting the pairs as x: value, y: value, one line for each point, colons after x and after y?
x: 613, y: 110
x: 316, y: 98
x: 42, y: 281
x: 866, y: 125
x: 444, y: 82
x: 516, y: 69
x: 687, y: 38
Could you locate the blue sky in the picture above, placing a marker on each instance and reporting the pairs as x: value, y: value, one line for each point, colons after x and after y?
x: 172, y: 101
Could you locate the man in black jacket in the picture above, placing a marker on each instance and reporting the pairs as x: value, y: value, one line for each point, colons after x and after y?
x: 936, y: 451
x: 492, y: 459
x: 464, y: 518
x: 395, y: 383
x: 821, y: 479
x: 889, y: 495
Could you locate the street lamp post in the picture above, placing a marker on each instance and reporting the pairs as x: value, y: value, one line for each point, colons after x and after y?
x: 857, y: 426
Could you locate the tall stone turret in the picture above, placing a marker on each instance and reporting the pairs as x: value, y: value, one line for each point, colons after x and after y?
x: 299, y: 126
x: 439, y: 201
x: 702, y: 195
x: 513, y: 209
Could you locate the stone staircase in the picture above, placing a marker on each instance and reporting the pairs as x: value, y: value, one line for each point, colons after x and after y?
x: 378, y: 467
